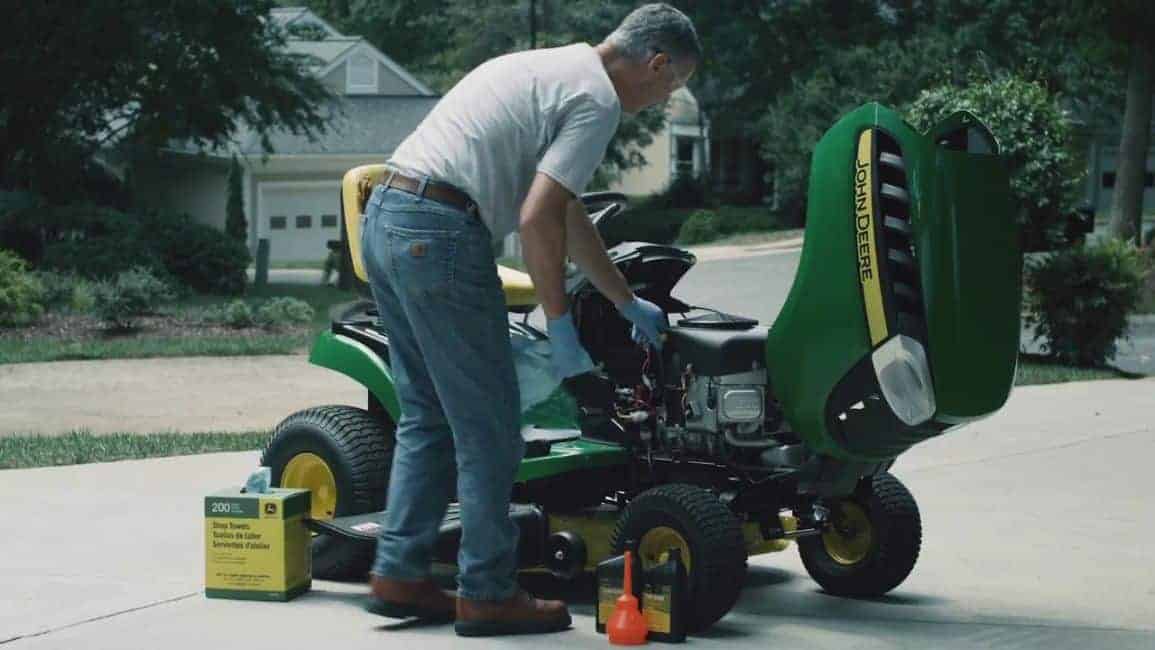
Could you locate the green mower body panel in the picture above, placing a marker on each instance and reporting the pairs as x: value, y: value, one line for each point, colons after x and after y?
x: 365, y: 366
x: 361, y: 364
x: 903, y: 320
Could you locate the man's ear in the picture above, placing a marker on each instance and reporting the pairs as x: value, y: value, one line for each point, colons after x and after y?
x: 659, y: 61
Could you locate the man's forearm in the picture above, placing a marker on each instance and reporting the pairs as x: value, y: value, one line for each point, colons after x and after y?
x: 543, y: 243
x: 588, y: 251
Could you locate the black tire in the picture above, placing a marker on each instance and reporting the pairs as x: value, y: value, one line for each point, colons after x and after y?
x: 358, y: 450
x: 714, y: 538
x: 895, y: 530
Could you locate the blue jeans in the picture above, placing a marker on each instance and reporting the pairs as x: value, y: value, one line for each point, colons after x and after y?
x: 434, y: 279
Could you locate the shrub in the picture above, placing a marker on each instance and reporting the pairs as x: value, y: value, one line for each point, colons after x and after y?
x: 1036, y: 136
x: 733, y: 220
x: 645, y: 223
x: 100, y: 243
x: 701, y: 226
x: 21, y: 296
x: 65, y: 291
x: 684, y: 191
x: 198, y: 256
x: 102, y: 258
x: 236, y: 313
x: 284, y: 311
x: 707, y: 225
x: 134, y: 293
x: 1080, y: 299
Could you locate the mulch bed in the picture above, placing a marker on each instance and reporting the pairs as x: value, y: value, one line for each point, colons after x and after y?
x: 84, y: 327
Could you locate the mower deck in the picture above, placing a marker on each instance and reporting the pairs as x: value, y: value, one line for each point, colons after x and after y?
x: 364, y: 529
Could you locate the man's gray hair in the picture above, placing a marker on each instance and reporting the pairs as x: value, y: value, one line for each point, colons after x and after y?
x: 654, y: 28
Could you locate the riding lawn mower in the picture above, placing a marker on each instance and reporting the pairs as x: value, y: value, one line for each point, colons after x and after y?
x: 737, y: 438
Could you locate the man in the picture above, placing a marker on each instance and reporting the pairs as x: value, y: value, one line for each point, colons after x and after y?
x: 512, y: 145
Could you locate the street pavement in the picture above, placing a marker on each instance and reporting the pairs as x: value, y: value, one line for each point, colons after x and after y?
x: 1037, y: 528
x: 757, y: 286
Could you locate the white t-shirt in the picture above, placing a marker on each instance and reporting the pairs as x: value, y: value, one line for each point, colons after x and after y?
x: 549, y: 110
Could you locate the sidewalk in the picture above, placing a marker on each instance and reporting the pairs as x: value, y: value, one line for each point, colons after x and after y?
x: 1036, y: 533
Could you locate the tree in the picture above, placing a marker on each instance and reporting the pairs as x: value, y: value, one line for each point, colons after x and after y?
x: 441, y: 41
x: 143, y: 73
x: 1131, y: 23
x: 1035, y: 135
x: 235, y: 224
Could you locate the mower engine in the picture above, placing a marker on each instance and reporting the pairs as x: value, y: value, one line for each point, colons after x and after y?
x: 715, y: 394
x: 705, y: 396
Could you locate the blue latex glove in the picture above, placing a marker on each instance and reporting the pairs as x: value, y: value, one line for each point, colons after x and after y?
x: 568, y: 355
x: 649, y: 321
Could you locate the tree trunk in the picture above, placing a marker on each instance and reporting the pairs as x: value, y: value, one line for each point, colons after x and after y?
x: 1131, y: 164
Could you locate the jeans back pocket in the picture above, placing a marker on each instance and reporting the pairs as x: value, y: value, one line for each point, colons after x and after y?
x: 420, y: 260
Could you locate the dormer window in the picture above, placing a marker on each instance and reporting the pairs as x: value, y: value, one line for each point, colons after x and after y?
x: 361, y: 74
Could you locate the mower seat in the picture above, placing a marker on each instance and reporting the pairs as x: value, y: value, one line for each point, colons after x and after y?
x: 356, y: 187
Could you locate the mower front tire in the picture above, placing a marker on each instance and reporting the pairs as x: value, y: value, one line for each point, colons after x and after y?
x: 873, y: 542
x: 343, y: 455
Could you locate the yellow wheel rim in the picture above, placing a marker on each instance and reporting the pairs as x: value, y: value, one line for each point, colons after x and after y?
x: 655, y: 546
x: 310, y: 471
x: 849, y: 538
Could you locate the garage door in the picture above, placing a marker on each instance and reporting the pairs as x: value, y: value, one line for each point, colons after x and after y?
x: 298, y: 219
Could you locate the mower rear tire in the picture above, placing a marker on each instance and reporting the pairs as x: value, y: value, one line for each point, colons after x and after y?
x: 706, y: 532
x: 873, y: 543
x: 343, y: 454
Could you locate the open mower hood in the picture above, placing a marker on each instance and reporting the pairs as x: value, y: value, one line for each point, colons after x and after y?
x: 903, y: 320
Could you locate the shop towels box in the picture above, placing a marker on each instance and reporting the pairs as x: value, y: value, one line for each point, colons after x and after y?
x: 257, y: 544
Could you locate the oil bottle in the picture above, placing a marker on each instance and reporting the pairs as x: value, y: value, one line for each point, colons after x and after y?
x: 610, y: 574
x: 664, y: 599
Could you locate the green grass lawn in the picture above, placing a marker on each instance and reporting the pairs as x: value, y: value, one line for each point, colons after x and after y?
x: 79, y: 447
x: 304, y: 264
x: 50, y: 349
x: 1036, y: 369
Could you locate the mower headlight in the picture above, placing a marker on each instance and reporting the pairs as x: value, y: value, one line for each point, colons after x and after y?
x: 904, y: 375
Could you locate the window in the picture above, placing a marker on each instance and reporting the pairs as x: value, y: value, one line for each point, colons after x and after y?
x: 1109, y: 179
x: 328, y: 221
x: 684, y: 165
x: 361, y: 74
x: 277, y: 223
x: 304, y: 221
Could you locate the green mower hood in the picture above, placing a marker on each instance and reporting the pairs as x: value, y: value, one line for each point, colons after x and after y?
x: 903, y: 320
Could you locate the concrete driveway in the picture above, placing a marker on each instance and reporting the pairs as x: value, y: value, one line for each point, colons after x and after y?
x: 1037, y: 534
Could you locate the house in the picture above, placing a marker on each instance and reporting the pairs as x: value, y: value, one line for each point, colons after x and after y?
x: 291, y: 195
x: 681, y: 147
x: 1102, y: 153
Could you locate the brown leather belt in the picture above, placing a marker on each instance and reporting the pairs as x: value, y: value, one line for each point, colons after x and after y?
x: 441, y: 192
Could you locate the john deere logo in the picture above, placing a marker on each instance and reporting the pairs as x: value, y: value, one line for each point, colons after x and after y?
x: 270, y: 508
x: 863, y: 215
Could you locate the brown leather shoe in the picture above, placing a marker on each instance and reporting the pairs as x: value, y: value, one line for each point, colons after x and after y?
x: 518, y: 614
x: 410, y: 599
